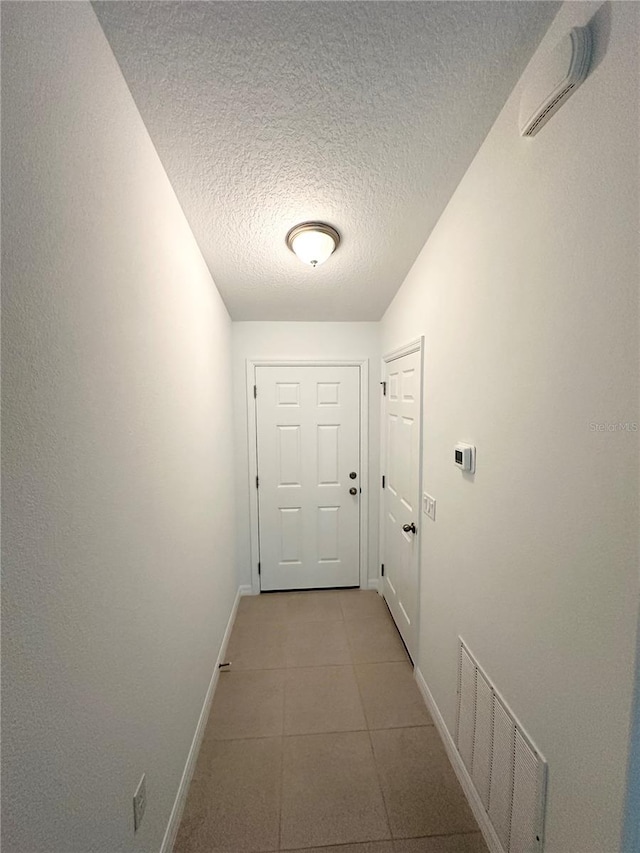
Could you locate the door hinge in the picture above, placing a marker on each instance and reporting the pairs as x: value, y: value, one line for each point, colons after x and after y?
x: 259, y: 569
x: 257, y: 482
x: 384, y: 389
x: 255, y: 391
x: 382, y: 569
x: 383, y: 481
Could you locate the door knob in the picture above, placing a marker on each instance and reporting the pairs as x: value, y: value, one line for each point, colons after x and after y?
x: 353, y: 490
x: 352, y: 475
x: 409, y: 528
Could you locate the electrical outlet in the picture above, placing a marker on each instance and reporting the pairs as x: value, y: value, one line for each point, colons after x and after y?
x: 139, y: 803
x: 429, y: 506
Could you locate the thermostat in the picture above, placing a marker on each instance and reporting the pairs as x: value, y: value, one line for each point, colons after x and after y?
x: 465, y: 457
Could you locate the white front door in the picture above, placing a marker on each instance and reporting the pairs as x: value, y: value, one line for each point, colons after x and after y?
x: 401, y: 494
x: 308, y: 447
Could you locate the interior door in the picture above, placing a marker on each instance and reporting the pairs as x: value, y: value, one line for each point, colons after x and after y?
x: 401, y: 495
x: 308, y: 447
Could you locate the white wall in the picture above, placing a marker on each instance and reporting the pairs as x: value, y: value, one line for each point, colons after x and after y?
x: 289, y: 340
x: 119, y: 572
x: 527, y: 293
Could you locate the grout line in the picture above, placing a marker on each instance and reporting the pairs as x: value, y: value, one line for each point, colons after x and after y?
x: 319, y: 734
x: 247, y: 620
x: 281, y: 785
x: 391, y: 841
x: 375, y: 763
x: 314, y: 666
x: 441, y: 835
x: 344, y: 844
x: 377, y: 772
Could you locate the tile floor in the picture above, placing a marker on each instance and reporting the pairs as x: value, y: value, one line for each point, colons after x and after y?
x: 319, y: 741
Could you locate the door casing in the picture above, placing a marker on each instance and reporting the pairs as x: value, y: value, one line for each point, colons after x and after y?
x: 252, y: 434
x: 416, y: 345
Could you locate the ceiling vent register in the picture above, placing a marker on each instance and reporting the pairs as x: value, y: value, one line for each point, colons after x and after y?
x: 506, y: 769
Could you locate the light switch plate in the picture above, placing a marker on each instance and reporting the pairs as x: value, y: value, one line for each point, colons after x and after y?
x: 429, y: 506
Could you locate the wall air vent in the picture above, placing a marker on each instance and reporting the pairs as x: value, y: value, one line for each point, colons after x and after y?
x: 554, y: 79
x: 507, y: 771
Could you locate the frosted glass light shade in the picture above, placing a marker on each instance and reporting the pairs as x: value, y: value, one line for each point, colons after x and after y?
x: 313, y: 247
x: 313, y: 242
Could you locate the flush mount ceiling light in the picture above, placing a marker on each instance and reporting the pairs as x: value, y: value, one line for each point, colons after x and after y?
x: 313, y: 242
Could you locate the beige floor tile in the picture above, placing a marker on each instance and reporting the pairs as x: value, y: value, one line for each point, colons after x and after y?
x: 247, y: 705
x: 331, y: 793
x: 367, y: 847
x: 236, y: 807
x: 195, y: 813
x: 322, y: 699
x: 390, y: 696
x: 266, y: 607
x: 363, y: 604
x: 257, y: 645
x: 471, y: 843
x: 331, y: 781
x: 374, y: 640
x: 323, y: 606
x: 422, y: 794
x: 317, y: 644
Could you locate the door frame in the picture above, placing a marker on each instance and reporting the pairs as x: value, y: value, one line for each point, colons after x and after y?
x: 252, y: 434
x: 416, y: 345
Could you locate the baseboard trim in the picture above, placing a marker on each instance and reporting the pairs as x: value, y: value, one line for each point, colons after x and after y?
x: 473, y: 798
x: 178, y: 805
x: 374, y: 583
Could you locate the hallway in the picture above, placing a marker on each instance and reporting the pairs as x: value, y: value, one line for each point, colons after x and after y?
x: 318, y: 736
x: 442, y: 388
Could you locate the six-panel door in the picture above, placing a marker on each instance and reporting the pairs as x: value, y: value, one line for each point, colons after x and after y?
x: 308, y: 433
x: 402, y: 494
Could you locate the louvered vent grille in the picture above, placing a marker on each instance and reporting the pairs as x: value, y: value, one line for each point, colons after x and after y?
x: 506, y: 769
x: 483, y: 738
x: 550, y: 108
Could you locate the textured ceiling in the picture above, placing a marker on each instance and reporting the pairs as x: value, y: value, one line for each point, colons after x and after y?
x: 363, y: 114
